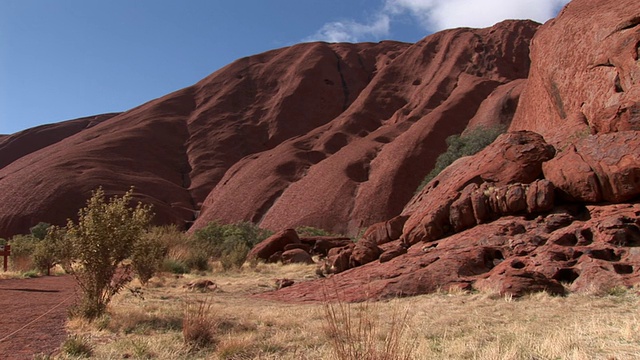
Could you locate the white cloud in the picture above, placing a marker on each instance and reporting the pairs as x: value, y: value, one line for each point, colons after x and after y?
x: 445, y: 14
x: 435, y: 15
x: 351, y: 31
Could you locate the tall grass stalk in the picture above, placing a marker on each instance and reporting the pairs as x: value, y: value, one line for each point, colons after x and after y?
x: 199, y: 324
x: 356, y: 332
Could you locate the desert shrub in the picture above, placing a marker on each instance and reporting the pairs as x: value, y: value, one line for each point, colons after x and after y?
x: 39, y: 231
x: 463, y: 145
x: 228, y: 243
x: 174, y: 266
x: 148, y: 255
x: 106, y: 234
x: 22, y: 249
x: 77, y: 346
x: 234, y: 256
x: 308, y: 231
x: 50, y: 251
x: 197, y: 261
x: 29, y: 274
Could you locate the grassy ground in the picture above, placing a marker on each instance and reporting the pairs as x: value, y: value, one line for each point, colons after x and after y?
x: 229, y: 323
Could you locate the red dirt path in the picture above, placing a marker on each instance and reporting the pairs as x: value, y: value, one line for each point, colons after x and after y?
x: 24, y: 303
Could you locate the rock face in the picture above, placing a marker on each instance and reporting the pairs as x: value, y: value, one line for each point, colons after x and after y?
x: 589, y: 248
x: 477, y: 189
x: 363, y: 165
x: 602, y: 167
x: 281, y: 137
x: 584, y: 76
x: 522, y: 215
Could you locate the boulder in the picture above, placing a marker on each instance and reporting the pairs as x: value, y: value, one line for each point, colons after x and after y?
x: 386, y: 231
x: 296, y: 256
x: 322, y: 244
x: 364, y: 251
x: 306, y: 247
x: 511, y: 278
x: 273, y: 244
x: 514, y: 158
x: 604, y: 167
x: 393, y: 252
x: 337, y: 260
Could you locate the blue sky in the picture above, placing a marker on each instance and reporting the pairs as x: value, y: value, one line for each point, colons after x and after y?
x: 64, y: 59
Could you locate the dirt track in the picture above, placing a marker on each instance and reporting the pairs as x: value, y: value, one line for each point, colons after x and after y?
x: 32, y: 315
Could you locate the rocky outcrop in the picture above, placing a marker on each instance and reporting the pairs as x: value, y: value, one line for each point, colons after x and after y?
x: 484, y: 187
x: 522, y: 216
x: 573, y: 248
x: 584, y: 75
x: 275, y: 243
x: 352, y: 128
x: 366, y: 164
x: 603, y: 167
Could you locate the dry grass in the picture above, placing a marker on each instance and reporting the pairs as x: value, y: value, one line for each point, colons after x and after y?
x: 459, y: 325
x: 199, y: 324
x: 356, y: 332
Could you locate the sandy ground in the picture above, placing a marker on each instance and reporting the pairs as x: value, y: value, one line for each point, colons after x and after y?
x: 33, y: 313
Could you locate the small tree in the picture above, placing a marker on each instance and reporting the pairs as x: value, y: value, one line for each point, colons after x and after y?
x: 147, y: 257
x: 39, y: 231
x: 49, y: 251
x: 105, y: 235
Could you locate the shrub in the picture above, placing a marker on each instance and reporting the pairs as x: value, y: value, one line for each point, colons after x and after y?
x: 228, y: 243
x: 234, y: 256
x: 303, y: 231
x: 106, y: 234
x: 463, y: 145
x: 148, y: 255
x: 22, y: 249
x: 39, y: 231
x: 174, y: 266
x: 49, y: 251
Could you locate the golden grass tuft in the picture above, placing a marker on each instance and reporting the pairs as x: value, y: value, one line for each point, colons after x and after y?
x: 199, y: 324
x: 356, y: 332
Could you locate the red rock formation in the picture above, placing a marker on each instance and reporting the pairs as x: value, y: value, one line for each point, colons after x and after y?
x: 273, y: 244
x: 364, y: 164
x: 13, y: 147
x: 278, y: 138
x: 598, y: 167
x: 584, y: 77
x: 175, y: 149
x: 584, y: 72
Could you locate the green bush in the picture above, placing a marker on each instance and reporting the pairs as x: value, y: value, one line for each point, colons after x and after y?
x: 22, y: 249
x: 105, y: 235
x: 228, y: 243
x: 50, y: 251
x: 309, y: 231
x: 234, y: 256
x: 459, y: 146
x: 148, y: 255
x: 39, y: 231
x: 174, y: 266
